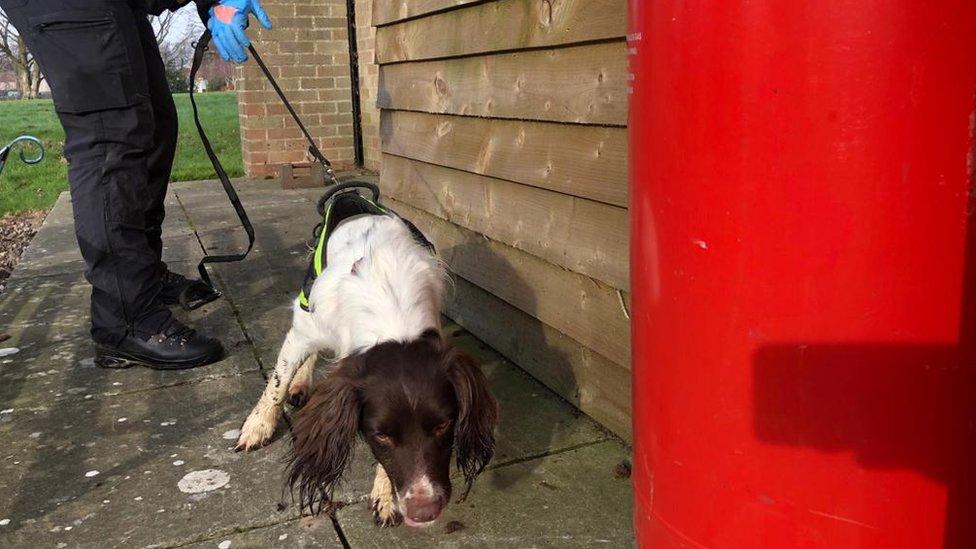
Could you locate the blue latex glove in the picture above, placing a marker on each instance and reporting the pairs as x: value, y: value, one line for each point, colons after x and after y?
x: 228, y: 19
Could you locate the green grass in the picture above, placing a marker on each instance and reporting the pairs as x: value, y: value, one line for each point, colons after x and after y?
x: 36, y: 187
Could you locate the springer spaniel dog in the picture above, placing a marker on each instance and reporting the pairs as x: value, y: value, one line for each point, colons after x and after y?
x: 399, y: 385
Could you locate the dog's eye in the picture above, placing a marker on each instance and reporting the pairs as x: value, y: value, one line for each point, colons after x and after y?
x: 442, y: 427
x: 385, y: 440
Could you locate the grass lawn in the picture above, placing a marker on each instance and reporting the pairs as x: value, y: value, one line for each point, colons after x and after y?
x: 36, y: 187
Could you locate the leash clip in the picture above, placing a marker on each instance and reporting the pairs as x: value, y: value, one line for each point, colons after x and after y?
x: 331, y: 175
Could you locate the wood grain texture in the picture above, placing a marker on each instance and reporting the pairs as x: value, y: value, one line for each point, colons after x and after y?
x: 578, y: 306
x: 584, y: 161
x: 594, y: 384
x: 502, y: 25
x: 580, y: 235
x: 579, y: 84
x: 390, y: 11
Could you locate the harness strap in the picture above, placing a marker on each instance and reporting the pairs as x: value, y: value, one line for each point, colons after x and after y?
x: 347, y: 198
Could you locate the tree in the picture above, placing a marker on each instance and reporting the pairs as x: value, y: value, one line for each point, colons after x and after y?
x: 175, y: 32
x: 175, y: 38
x: 14, y: 52
x: 177, y: 71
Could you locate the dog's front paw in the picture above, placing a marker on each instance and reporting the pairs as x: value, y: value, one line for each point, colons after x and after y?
x: 383, y: 502
x: 298, y: 394
x: 258, y: 427
x: 384, y: 512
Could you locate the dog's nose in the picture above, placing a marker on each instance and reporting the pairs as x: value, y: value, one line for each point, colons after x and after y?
x: 423, y: 502
x: 423, y: 509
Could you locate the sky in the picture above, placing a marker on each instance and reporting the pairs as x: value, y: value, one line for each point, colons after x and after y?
x: 186, y: 20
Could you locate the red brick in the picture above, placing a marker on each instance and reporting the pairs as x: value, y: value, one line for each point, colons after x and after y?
x: 254, y: 109
x: 299, y: 70
x: 282, y: 133
x: 307, y: 52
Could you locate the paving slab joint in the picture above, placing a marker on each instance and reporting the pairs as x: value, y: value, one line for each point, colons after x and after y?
x: 232, y: 531
x: 548, y: 453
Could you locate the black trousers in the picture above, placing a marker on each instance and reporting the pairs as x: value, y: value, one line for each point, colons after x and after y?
x: 102, y: 62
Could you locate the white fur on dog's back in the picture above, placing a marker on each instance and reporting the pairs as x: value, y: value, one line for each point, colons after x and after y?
x: 394, y: 294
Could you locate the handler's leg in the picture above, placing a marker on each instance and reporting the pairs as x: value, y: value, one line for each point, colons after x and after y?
x: 160, y: 157
x: 93, y: 59
x: 160, y: 164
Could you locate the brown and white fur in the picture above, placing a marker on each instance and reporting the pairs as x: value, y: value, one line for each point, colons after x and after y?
x: 411, y: 395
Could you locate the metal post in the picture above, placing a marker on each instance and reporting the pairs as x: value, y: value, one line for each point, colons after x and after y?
x: 804, y: 290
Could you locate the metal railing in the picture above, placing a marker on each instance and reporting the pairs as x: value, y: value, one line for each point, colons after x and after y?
x: 23, y: 139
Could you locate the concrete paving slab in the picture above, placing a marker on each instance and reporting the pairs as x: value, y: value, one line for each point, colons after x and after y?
x: 569, y: 499
x: 46, y: 320
x: 183, y: 249
x: 126, y: 470
x: 213, y: 203
x: 41, y: 261
x: 268, y: 240
x: 532, y: 420
x: 205, y: 208
x: 303, y: 532
x: 243, y: 185
x: 54, y: 250
x: 267, y: 323
x: 262, y: 289
x: 209, y: 212
x: 60, y: 300
x: 258, y: 189
x: 544, y: 445
x: 60, y: 214
x: 55, y: 242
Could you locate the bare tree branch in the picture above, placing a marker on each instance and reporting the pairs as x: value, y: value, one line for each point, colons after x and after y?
x: 14, y: 50
x: 7, y: 36
x: 175, y: 32
x: 162, y: 25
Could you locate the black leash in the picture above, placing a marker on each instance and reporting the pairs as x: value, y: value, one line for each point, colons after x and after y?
x: 313, y: 149
x: 199, y: 49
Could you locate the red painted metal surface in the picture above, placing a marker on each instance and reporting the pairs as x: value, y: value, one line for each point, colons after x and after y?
x: 804, y: 273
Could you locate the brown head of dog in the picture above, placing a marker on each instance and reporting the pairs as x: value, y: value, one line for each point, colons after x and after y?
x: 414, y: 404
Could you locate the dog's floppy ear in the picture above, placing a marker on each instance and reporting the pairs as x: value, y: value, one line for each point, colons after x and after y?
x: 474, y: 434
x: 323, y: 435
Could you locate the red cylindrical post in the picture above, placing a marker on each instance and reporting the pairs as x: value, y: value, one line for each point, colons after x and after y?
x: 803, y: 273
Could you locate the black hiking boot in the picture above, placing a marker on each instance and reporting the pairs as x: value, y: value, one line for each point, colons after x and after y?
x: 180, y: 290
x: 175, y: 347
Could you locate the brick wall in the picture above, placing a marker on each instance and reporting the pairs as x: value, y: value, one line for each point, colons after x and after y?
x: 308, y: 53
x: 369, y: 74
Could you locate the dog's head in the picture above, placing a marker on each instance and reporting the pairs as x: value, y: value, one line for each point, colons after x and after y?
x: 413, y: 403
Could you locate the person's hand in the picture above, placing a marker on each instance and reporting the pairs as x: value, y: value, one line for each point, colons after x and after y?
x: 228, y: 19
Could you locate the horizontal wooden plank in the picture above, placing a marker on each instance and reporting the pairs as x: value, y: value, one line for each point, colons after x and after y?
x: 502, y: 25
x: 596, y: 385
x: 577, y: 234
x: 578, y: 84
x: 578, y: 306
x: 390, y: 11
x: 585, y: 161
